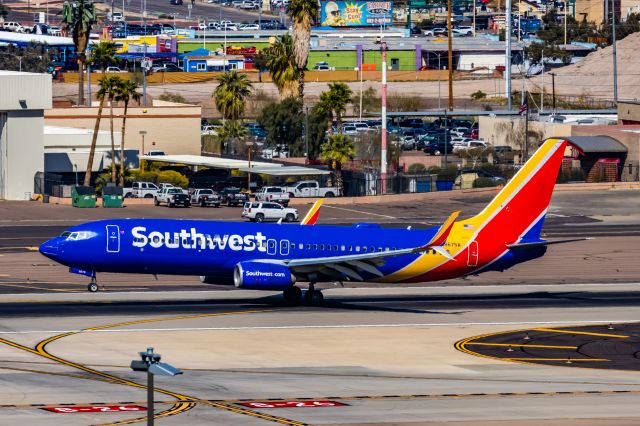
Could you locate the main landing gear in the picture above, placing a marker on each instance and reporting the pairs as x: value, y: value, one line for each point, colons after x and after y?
x: 294, y: 296
x: 93, y: 285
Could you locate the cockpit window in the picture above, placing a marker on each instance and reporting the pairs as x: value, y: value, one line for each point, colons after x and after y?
x: 65, y: 234
x: 80, y: 235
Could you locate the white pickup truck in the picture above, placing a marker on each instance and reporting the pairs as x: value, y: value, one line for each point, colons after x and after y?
x: 310, y: 188
x: 276, y: 194
x: 141, y: 190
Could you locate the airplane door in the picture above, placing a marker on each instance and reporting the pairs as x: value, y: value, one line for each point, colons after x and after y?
x: 284, y: 247
x: 271, y: 247
x: 113, y: 239
x: 472, y: 259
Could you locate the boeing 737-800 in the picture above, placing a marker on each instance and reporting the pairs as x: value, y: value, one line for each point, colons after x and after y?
x: 276, y: 256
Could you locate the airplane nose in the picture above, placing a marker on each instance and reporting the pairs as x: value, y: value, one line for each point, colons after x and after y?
x: 49, y: 249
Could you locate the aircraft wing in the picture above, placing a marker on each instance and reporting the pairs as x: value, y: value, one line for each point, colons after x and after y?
x: 351, y: 264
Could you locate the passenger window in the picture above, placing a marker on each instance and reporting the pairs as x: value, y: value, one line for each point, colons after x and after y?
x: 321, y: 246
x: 308, y: 246
x: 358, y: 248
x: 343, y: 248
x: 364, y: 249
x: 379, y: 249
x: 335, y: 248
x: 373, y: 249
x: 315, y: 247
x: 350, y: 248
x: 300, y: 246
x: 293, y: 245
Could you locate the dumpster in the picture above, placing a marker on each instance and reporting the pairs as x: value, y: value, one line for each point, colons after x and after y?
x: 112, y: 196
x: 83, y: 196
x: 444, y: 185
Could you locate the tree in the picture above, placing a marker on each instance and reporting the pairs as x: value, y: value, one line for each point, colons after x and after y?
x: 229, y: 133
x: 111, y: 88
x: 126, y: 93
x: 101, y: 95
x: 335, y: 100
x: 231, y: 94
x: 279, y: 60
x: 283, y: 122
x: 317, y: 131
x: 32, y: 58
x: 303, y: 13
x: 337, y: 151
x: 78, y: 17
x: 103, y: 54
x: 4, y: 11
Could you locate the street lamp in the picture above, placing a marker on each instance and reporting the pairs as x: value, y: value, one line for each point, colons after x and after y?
x: 150, y: 362
x: 142, y: 133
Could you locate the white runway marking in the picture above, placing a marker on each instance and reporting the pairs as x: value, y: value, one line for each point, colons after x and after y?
x: 360, y: 211
x: 306, y: 327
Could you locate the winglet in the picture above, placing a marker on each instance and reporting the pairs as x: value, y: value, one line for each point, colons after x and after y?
x: 312, y: 215
x: 443, y: 233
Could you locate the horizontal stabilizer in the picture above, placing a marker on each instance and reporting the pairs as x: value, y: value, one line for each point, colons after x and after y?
x: 533, y: 244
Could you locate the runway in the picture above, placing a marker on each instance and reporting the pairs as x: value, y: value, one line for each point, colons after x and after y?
x: 389, y: 355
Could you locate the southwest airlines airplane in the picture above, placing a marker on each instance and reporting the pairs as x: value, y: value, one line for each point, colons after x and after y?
x: 274, y: 256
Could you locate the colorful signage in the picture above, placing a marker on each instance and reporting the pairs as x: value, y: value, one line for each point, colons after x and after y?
x: 355, y: 13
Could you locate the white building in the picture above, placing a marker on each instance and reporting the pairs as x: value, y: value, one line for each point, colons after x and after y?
x: 23, y: 99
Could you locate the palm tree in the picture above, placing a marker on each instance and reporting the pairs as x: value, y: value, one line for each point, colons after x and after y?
x: 103, y: 54
x: 126, y: 92
x: 111, y: 88
x: 336, y: 151
x: 230, y: 131
x: 105, y: 87
x: 79, y: 17
x: 231, y: 94
x: 334, y: 101
x: 282, y: 65
x: 303, y: 13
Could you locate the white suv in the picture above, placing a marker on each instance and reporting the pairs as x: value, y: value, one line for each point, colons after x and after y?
x: 259, y: 212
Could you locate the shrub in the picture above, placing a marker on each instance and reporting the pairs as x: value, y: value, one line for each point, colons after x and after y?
x: 417, y: 169
x: 478, y: 95
x: 483, y: 182
x: 173, y: 97
x: 173, y: 177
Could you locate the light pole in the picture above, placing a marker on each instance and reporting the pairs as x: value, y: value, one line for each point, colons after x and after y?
x: 359, y: 69
x: 439, y: 80
x: 150, y: 363
x: 142, y: 133
x: 507, y: 37
x: 249, y: 144
x: 306, y: 137
x: 383, y: 145
x: 614, y: 51
x: 450, y: 47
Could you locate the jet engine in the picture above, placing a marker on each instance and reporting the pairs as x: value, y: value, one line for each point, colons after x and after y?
x: 262, y: 276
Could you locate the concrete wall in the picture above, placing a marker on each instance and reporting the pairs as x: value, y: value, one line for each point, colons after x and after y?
x: 23, y: 97
x: 172, y: 129
x: 23, y: 143
x: 629, y: 112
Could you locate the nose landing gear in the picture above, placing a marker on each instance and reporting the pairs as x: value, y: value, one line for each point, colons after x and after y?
x: 93, y: 285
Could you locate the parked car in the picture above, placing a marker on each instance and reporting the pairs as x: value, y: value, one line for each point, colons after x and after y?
x: 231, y: 196
x: 438, y: 148
x: 349, y: 129
x: 172, y: 197
x: 259, y: 212
x: 140, y: 190
x: 16, y: 27
x: 249, y: 27
x: 276, y: 194
x: 205, y: 198
x: 408, y: 143
x: 114, y: 70
x: 155, y: 152
x: 310, y: 188
x: 469, y: 144
x: 176, y: 2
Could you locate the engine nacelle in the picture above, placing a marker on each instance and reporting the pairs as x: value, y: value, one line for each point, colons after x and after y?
x: 262, y: 276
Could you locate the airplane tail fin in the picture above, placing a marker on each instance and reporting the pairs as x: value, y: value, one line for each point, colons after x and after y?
x: 312, y: 215
x: 517, y: 212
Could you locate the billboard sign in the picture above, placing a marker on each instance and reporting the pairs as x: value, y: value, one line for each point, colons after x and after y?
x: 355, y: 13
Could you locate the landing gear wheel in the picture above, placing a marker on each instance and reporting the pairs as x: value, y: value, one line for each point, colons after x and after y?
x: 313, y: 297
x: 292, y: 295
x: 93, y: 286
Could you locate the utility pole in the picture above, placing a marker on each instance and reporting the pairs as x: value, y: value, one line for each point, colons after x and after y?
x: 614, y: 52
x: 542, y: 95
x: 450, y: 64
x: 383, y: 145
x: 565, y: 23
x: 526, y: 130
x: 507, y: 37
x: 306, y: 136
x: 144, y: 74
x: 553, y: 91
